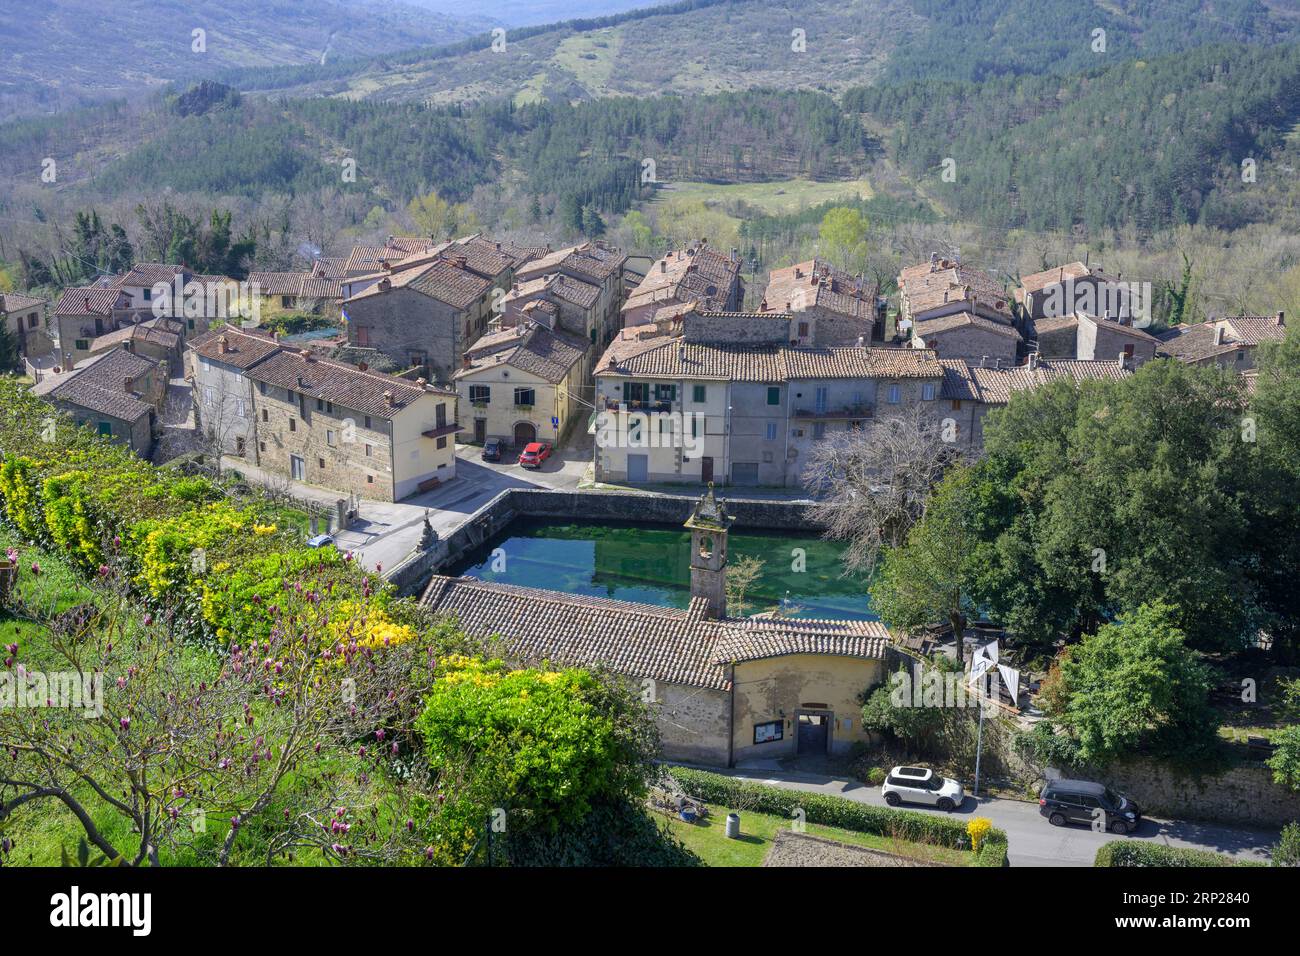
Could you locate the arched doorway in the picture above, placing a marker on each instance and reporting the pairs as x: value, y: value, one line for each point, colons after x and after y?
x: 525, y: 432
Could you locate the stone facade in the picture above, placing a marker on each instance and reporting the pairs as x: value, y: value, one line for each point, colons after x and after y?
x: 412, y: 329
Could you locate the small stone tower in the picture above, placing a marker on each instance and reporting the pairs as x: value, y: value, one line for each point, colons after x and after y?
x: 709, y: 524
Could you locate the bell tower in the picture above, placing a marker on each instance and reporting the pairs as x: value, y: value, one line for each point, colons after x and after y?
x: 709, y: 523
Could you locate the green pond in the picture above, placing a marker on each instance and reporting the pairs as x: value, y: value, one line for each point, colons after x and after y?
x: 650, y: 564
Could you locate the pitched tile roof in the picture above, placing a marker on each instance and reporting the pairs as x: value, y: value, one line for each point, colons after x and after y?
x: 277, y: 283
x: 1071, y: 270
x: 926, y: 328
x: 139, y: 332
x: 967, y: 381
x: 149, y: 274
x: 17, y: 301
x: 591, y: 260
x: 338, y: 382
x: 90, y: 300
x: 638, y: 640
x: 243, y: 348
x: 669, y: 356
x: 537, y: 350
x: 1195, y: 343
x: 817, y: 283
x: 99, y: 385
x: 574, y: 291
x: 698, y: 274
x: 942, y: 281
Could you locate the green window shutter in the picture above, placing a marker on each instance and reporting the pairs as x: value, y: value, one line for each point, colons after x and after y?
x: 774, y: 395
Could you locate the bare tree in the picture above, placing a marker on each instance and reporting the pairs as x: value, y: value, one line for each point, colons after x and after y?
x: 741, y: 575
x: 871, y: 484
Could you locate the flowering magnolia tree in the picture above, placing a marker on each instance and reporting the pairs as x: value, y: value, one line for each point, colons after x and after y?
x: 297, y: 735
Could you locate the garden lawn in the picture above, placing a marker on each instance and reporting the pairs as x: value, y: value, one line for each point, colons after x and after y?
x: 708, y: 840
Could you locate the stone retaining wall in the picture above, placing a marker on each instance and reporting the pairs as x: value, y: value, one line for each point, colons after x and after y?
x: 410, y: 575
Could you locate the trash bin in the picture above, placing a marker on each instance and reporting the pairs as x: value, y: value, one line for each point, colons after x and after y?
x: 733, y: 826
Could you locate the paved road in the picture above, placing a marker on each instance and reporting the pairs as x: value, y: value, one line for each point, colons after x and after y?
x: 1033, y: 841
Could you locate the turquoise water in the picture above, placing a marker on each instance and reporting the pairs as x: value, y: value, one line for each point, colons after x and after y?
x: 651, y: 564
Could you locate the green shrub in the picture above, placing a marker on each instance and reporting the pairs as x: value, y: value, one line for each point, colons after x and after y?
x: 834, y: 811
x: 876, y: 776
x: 1135, y: 853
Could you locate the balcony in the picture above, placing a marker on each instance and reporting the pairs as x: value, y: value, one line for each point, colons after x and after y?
x: 843, y: 412
x: 441, y: 430
x: 615, y: 404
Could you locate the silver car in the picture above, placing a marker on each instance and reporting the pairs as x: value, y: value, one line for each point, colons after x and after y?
x: 921, y: 785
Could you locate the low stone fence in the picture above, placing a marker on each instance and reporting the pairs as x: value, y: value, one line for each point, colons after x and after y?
x: 411, y: 574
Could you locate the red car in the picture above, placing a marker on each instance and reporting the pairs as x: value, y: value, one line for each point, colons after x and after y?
x: 535, y: 453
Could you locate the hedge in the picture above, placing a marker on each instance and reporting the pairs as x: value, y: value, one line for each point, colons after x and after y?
x: 184, y: 545
x: 1131, y: 853
x: 833, y: 811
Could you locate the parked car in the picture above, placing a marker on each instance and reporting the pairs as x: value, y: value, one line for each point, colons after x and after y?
x: 492, y: 449
x: 1081, y: 801
x: 321, y: 541
x: 921, y: 785
x: 535, y: 453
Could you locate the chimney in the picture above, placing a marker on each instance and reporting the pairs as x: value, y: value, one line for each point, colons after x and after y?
x: 385, y: 265
x: 1281, y: 318
x: 1033, y: 360
x: 468, y: 361
x: 459, y: 261
x: 798, y: 273
x: 223, y: 344
x: 735, y: 254
x: 388, y: 399
x: 130, y: 384
x: 984, y: 361
x: 385, y: 284
x: 86, y: 299
x: 363, y: 366
x: 762, y: 306
x: 663, y: 265
x: 861, y: 341
x: 1218, y: 333
x: 421, y: 382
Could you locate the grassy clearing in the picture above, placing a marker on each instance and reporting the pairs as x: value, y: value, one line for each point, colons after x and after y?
x: 708, y: 840
x: 590, y: 57
x: 784, y: 196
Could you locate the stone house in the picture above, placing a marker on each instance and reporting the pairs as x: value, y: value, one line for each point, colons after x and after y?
x: 117, y: 393
x: 1074, y: 287
x: 970, y: 391
x: 943, y: 287
x: 590, y: 264
x: 425, y: 311
x: 1228, y: 342
x: 356, y: 431
x: 965, y: 335
x: 217, y: 363
x: 722, y: 689
x: 832, y: 308
x: 84, y: 313
x: 24, y: 318
x: 696, y: 275
x: 522, y: 384
x: 1089, y: 338
x: 699, y: 402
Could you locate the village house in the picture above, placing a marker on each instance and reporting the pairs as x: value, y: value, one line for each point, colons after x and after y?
x: 117, y: 393
x: 82, y: 314
x: 1074, y: 287
x: 24, y: 318
x: 965, y: 335
x: 943, y: 287
x: 720, y: 396
x: 696, y: 275
x: 425, y: 311
x: 1227, y: 342
x: 217, y: 363
x: 833, y: 307
x: 574, y: 303
x: 572, y: 272
x: 522, y: 384
x: 157, y: 339
x: 723, y: 689
x: 332, y: 424
x: 1089, y: 338
x: 316, y: 290
x: 970, y: 391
